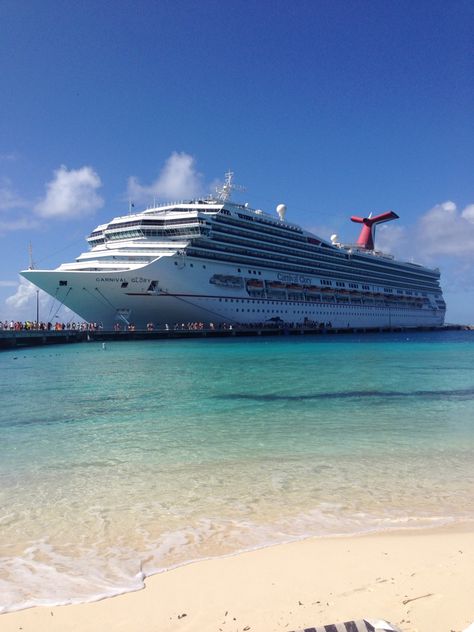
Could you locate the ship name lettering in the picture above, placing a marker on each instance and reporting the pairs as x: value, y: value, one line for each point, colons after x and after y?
x: 110, y: 280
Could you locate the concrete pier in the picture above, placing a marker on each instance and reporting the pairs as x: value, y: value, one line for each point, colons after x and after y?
x: 12, y: 339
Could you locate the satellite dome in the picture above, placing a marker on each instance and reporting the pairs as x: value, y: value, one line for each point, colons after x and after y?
x: 281, y: 210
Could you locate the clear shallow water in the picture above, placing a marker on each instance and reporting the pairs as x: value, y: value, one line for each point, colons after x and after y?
x: 117, y: 463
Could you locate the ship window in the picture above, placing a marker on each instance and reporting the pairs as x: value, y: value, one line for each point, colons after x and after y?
x: 62, y: 282
x: 124, y: 284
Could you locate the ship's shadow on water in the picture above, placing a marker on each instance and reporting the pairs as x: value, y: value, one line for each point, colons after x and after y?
x: 462, y: 393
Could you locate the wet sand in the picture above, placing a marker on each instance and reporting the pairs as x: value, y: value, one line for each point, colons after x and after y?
x: 416, y: 580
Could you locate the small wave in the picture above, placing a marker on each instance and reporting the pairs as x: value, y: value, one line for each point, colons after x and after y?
x: 44, y: 576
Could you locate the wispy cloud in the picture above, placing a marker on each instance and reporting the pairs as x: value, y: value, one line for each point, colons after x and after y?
x: 324, y: 231
x: 71, y: 193
x: 9, y: 198
x: 8, y: 283
x: 177, y: 180
x: 13, y: 209
x: 9, y: 157
x: 22, y: 223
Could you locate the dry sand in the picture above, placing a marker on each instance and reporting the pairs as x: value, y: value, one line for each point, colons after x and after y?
x: 417, y: 580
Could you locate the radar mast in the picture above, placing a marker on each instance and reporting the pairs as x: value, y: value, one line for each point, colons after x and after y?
x: 224, y: 192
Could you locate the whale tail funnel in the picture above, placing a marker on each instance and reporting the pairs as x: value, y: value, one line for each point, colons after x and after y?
x: 366, y: 237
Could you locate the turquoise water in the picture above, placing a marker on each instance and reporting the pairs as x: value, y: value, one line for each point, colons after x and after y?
x: 118, y: 463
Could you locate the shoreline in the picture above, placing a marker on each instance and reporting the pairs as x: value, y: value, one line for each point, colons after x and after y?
x: 460, y: 524
x: 418, y: 579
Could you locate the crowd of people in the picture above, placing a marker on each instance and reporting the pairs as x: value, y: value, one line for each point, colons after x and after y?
x: 31, y: 325
x: 210, y: 326
x: 189, y: 326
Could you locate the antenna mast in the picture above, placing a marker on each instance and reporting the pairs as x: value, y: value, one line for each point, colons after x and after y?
x: 224, y: 192
x: 31, y: 265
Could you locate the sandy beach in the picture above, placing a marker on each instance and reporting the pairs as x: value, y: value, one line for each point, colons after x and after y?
x: 417, y: 580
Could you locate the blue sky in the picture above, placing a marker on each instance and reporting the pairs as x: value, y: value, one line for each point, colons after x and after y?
x: 335, y: 108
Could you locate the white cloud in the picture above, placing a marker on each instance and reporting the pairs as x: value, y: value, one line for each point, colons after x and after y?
x: 22, y: 304
x: 443, y: 230
x: 8, y: 283
x: 468, y: 213
x: 24, y: 297
x: 177, y: 180
x: 71, y: 193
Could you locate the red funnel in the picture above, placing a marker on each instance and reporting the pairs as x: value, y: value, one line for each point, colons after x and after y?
x: 366, y: 237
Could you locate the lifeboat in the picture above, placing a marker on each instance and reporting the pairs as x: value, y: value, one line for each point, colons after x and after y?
x: 226, y: 281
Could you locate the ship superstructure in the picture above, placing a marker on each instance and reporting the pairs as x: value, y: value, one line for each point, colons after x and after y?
x: 214, y: 260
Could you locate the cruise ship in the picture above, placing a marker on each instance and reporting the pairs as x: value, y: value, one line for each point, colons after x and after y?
x: 213, y: 260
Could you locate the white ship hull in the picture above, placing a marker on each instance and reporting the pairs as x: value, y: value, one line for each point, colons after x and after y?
x: 184, y: 293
